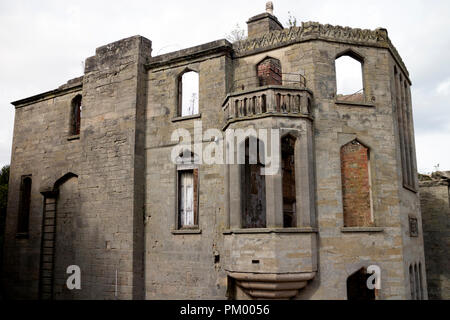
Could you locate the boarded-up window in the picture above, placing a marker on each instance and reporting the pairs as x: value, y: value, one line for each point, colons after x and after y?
x: 75, y: 116
x: 253, y: 187
x: 288, y: 170
x: 356, y: 188
x: 24, y: 206
x: 188, y: 195
x: 269, y: 72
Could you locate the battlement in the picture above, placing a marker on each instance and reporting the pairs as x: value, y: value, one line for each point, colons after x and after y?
x: 315, y: 31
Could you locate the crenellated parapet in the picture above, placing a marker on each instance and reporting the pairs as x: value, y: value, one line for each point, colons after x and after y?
x: 316, y: 31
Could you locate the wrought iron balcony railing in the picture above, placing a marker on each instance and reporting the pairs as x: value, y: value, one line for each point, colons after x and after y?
x: 295, y: 80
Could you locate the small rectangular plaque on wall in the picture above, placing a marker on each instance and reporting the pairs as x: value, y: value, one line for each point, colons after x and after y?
x: 413, y: 227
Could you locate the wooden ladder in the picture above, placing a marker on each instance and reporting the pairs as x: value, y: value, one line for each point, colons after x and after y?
x: 48, y: 242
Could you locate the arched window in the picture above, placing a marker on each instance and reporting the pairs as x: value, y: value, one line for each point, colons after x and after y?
x: 253, y: 186
x: 188, y: 94
x: 288, y: 172
x: 356, y: 185
x: 420, y: 282
x: 75, y: 115
x: 269, y: 72
x: 349, y: 77
x: 416, y: 275
x: 412, y: 285
x: 24, y: 206
x: 357, y: 286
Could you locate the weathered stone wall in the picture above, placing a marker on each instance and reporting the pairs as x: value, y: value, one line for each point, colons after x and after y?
x: 40, y: 148
x: 435, y: 205
x: 106, y: 224
x: 181, y: 265
x: 70, y: 230
x: 344, y: 251
x: 125, y: 220
x: 113, y: 164
x: 409, y: 204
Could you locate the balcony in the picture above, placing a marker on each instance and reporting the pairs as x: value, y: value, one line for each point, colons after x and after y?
x: 248, y: 101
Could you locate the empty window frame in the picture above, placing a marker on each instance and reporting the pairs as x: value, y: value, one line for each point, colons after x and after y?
x: 415, y: 281
x: 412, y: 285
x: 24, y: 206
x: 253, y: 186
x: 356, y: 185
x: 75, y: 115
x: 416, y: 274
x: 420, y: 282
x: 188, y: 94
x: 349, y: 78
x: 404, y: 123
x: 288, y: 178
x: 188, y: 199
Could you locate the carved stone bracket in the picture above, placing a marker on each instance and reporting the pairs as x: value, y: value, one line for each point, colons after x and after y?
x: 272, y: 286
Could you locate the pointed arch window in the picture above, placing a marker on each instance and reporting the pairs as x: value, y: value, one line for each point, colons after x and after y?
x: 289, y: 183
x: 357, y: 286
x: 356, y: 185
x: 253, y: 185
x: 269, y: 72
x: 24, y: 206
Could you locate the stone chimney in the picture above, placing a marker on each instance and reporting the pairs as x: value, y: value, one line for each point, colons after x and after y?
x: 263, y: 23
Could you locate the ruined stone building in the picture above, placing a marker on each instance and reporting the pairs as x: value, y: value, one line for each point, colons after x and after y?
x: 435, y: 205
x: 93, y: 184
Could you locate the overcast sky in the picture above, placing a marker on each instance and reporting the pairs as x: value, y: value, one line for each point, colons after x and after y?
x: 43, y: 44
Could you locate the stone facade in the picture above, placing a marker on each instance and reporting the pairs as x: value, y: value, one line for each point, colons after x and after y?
x: 435, y: 203
x: 116, y: 190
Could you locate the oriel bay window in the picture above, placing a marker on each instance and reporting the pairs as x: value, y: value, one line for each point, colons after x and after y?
x: 261, y: 198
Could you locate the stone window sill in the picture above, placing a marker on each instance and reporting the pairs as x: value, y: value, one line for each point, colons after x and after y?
x: 74, y: 137
x: 355, y: 104
x: 187, y: 231
x: 195, y: 116
x: 271, y: 230
x: 362, y: 230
